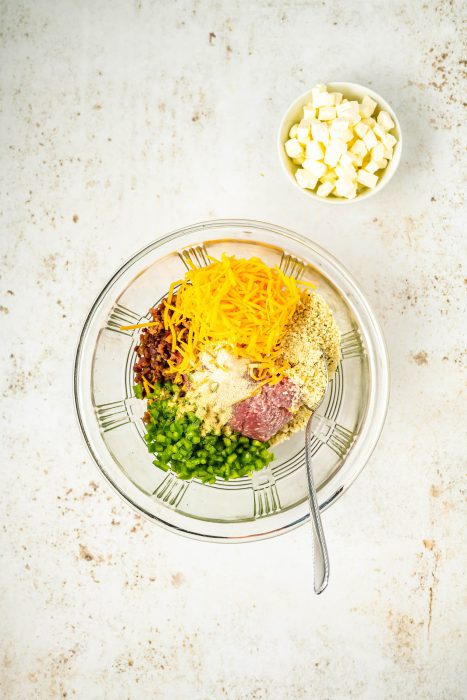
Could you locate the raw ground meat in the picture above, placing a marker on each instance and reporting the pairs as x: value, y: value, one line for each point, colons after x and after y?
x: 260, y: 417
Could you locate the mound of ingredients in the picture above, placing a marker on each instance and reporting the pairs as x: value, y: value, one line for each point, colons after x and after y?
x: 231, y: 363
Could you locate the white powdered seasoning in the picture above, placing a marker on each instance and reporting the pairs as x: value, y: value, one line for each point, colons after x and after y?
x: 221, y: 382
x: 311, y: 331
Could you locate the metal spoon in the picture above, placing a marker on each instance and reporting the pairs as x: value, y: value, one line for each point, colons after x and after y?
x: 320, y: 551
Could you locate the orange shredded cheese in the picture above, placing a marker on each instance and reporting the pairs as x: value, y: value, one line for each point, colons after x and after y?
x: 241, y: 304
x: 140, y: 325
x: 147, y: 386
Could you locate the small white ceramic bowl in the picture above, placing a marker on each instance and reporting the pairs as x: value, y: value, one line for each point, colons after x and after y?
x: 351, y: 91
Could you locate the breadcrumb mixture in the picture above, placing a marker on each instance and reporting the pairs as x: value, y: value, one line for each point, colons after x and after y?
x: 312, y: 330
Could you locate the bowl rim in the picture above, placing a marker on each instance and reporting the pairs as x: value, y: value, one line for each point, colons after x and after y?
x: 379, y: 407
x: 340, y: 86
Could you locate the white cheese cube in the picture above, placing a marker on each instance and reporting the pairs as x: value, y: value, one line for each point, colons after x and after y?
x: 359, y: 148
x: 367, y: 107
x: 338, y: 126
x: 379, y: 131
x: 369, y: 121
x: 330, y: 176
x: 299, y: 160
x: 372, y: 166
x: 357, y: 159
x: 309, y: 112
x: 346, y: 188
x: 326, y: 113
x: 315, y: 167
x: 317, y: 90
x: 377, y: 152
x: 334, y: 150
x: 293, y: 131
x: 346, y: 135
x: 370, y: 139
x: 366, y: 178
x: 324, y: 99
x: 337, y: 97
x: 361, y: 129
x: 384, y: 120
x: 388, y: 153
x: 305, y: 179
x: 314, y: 150
x: 346, y: 159
x: 348, y: 110
x: 388, y: 140
x: 319, y: 131
x: 293, y: 148
x: 382, y: 164
x: 325, y: 189
x: 303, y: 130
x: 347, y: 172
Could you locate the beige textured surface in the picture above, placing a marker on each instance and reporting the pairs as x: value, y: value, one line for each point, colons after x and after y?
x: 123, y: 120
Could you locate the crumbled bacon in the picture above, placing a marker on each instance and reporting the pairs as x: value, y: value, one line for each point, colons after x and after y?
x: 154, y: 351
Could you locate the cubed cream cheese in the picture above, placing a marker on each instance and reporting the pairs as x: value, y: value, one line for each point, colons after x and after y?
x: 379, y: 131
x: 309, y: 112
x: 366, y: 178
x: 359, y: 148
x: 326, y: 113
x: 346, y: 188
x: 367, y: 107
x: 338, y: 126
x: 387, y: 153
x: 347, y: 171
x: 388, y: 140
x: 357, y: 160
x: 384, y: 120
x: 361, y: 129
x: 315, y: 167
x: 346, y: 159
x: 334, y: 150
x: 293, y: 131
x: 325, y: 189
x: 305, y: 179
x: 377, y: 152
x: 372, y: 166
x: 319, y: 131
x: 329, y: 176
x: 324, y: 99
x: 370, y: 139
x: 303, y: 130
x: 314, y: 150
x: 348, y: 110
x: 293, y: 148
x: 299, y: 160
x: 317, y: 90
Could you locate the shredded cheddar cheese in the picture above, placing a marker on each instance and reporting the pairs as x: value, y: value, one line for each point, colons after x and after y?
x: 240, y: 304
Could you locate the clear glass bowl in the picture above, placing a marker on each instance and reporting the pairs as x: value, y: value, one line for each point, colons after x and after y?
x: 274, y: 500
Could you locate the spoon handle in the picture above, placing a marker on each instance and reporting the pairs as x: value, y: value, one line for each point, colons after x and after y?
x: 320, y: 551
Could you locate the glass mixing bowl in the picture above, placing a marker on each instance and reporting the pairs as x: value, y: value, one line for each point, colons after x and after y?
x: 275, y: 499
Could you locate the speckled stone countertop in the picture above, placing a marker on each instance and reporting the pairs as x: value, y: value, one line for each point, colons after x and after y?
x: 121, y: 121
